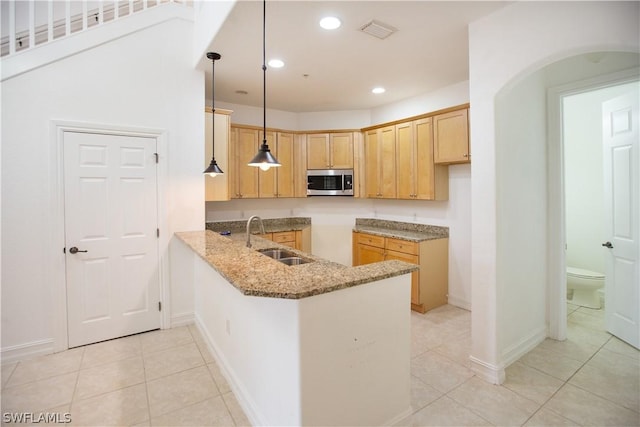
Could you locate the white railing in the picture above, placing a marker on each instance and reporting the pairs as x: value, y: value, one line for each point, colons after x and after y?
x: 29, y: 23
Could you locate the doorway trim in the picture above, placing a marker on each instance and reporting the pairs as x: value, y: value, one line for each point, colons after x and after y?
x: 556, y: 228
x: 56, y: 268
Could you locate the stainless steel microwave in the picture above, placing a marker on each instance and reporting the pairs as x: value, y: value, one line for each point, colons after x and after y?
x: 330, y: 182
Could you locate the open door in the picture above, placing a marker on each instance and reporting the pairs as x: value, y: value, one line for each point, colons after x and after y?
x: 622, y: 216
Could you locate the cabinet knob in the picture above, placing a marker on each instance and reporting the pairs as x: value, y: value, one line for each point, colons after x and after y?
x: 466, y: 155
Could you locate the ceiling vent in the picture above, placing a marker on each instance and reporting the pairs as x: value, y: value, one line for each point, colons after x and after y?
x: 378, y: 29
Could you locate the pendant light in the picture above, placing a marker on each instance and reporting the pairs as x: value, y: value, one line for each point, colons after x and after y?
x: 264, y: 159
x: 213, y: 170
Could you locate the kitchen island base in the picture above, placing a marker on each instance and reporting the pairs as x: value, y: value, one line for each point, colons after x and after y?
x: 338, y: 358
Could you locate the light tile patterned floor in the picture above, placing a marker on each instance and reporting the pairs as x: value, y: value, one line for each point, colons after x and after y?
x: 168, y: 378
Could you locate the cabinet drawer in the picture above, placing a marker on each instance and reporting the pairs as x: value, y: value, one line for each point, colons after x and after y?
x: 371, y: 240
x: 402, y: 246
x: 284, y: 236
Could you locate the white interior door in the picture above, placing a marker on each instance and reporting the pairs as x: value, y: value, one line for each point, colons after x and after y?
x: 111, y: 247
x: 622, y: 216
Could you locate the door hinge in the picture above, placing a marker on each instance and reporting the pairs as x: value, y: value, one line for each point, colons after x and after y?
x: 157, y: 232
x: 157, y: 157
x: 159, y: 305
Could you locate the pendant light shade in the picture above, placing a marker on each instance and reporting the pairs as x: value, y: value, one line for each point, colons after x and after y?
x: 213, y: 170
x: 264, y: 159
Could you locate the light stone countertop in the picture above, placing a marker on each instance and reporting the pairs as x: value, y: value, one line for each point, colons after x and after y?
x: 258, y: 275
x: 401, y: 230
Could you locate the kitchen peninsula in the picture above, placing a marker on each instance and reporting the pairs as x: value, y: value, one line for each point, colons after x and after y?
x: 313, y: 344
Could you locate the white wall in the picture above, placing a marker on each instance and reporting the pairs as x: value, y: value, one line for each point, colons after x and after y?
x: 131, y: 82
x: 445, y: 97
x: 584, y: 185
x: 521, y: 214
x: 504, y: 47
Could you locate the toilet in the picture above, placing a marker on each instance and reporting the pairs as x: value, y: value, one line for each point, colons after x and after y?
x: 585, y: 285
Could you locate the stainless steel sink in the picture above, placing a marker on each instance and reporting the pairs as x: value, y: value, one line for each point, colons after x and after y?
x: 284, y: 256
x: 277, y: 253
x: 294, y: 260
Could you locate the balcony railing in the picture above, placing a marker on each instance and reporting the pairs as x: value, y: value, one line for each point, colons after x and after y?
x: 29, y: 23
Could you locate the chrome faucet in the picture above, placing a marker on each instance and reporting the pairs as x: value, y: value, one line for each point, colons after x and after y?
x: 249, y: 227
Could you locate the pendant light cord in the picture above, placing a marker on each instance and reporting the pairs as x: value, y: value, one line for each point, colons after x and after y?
x: 264, y: 73
x: 213, y: 108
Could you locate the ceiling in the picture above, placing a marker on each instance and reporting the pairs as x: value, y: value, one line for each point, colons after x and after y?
x: 336, y: 70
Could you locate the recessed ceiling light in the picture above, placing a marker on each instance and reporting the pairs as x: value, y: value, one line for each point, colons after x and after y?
x: 330, y: 23
x: 378, y: 90
x: 276, y: 63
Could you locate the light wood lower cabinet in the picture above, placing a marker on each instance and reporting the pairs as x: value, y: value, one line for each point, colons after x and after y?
x: 429, y: 285
x: 296, y: 239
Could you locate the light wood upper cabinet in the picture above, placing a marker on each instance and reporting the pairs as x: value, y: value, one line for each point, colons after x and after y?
x: 406, y: 159
x: 318, y: 151
x: 251, y: 182
x: 268, y: 180
x: 286, y: 157
x: 218, y: 188
x: 380, y: 163
x: 418, y: 177
x: 244, y: 178
x: 278, y: 182
x: 330, y: 150
x: 451, y: 137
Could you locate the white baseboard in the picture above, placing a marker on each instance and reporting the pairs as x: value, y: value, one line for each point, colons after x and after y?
x: 486, y: 371
x: 459, y: 302
x: 238, y: 390
x: 525, y: 345
x: 182, y: 319
x: 25, y: 351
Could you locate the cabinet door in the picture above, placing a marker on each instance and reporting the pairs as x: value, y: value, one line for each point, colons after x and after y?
x: 318, y: 151
x: 387, y: 163
x: 405, y: 159
x: 371, y: 155
x: 415, y: 276
x: 217, y: 188
x: 285, y: 181
x: 341, y: 150
x: 246, y: 146
x: 425, y: 169
x: 267, y: 179
x: 451, y: 137
x: 369, y: 254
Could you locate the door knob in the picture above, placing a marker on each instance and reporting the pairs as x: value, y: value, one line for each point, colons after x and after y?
x: 608, y: 245
x: 75, y: 250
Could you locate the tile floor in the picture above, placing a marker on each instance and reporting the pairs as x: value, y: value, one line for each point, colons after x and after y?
x: 168, y: 378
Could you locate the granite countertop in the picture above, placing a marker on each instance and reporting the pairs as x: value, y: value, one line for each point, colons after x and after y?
x: 271, y: 225
x: 401, y: 230
x: 258, y: 275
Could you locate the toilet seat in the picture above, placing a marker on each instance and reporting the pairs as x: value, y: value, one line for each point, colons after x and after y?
x: 584, y: 274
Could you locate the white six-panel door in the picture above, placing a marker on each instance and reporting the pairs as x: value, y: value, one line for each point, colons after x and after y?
x: 111, y: 244
x: 621, y: 140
